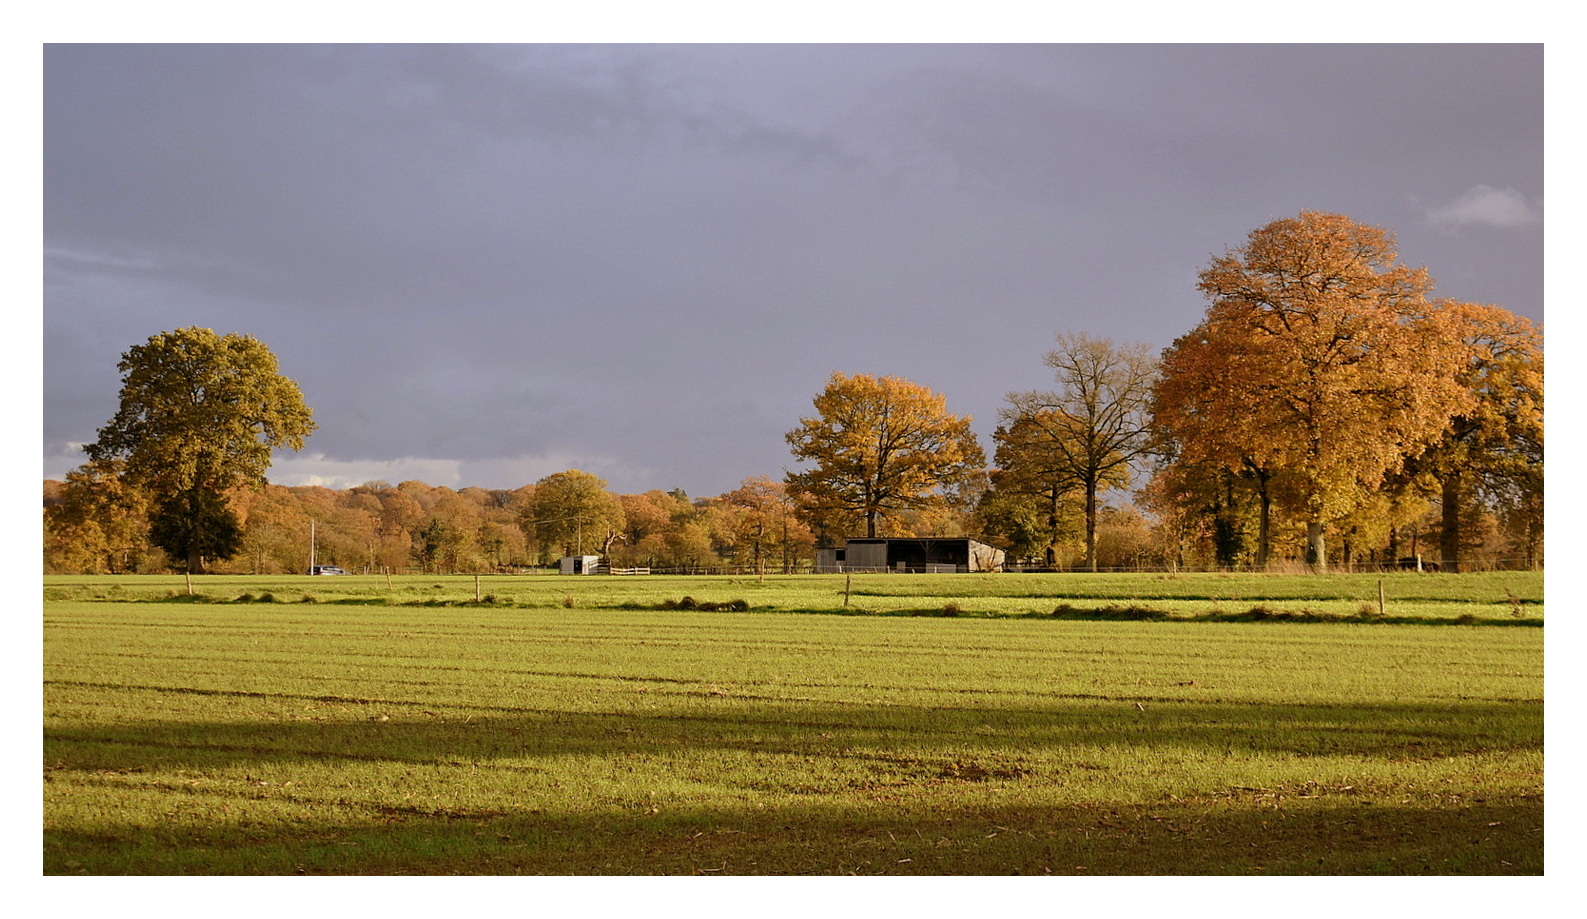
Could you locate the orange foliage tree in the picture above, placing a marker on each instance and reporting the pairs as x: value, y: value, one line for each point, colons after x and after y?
x: 1495, y: 445
x: 879, y: 446
x: 1320, y: 357
x: 97, y: 522
x: 763, y: 524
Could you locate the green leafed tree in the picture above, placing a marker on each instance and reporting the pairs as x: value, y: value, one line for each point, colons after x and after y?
x: 196, y: 521
x: 573, y: 512
x: 200, y: 415
x: 1033, y: 489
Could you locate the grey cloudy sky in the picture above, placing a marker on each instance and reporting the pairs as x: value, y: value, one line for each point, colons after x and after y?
x: 487, y: 264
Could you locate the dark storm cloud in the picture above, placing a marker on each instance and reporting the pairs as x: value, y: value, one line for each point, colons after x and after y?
x: 485, y: 264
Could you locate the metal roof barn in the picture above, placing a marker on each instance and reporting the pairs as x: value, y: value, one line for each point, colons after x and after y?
x: 920, y: 555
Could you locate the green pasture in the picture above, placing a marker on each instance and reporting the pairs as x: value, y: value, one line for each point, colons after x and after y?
x: 1509, y: 596
x: 876, y: 725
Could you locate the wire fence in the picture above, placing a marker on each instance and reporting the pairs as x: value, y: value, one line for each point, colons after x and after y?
x: 1289, y: 567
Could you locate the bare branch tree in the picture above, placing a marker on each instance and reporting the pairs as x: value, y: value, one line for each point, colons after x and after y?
x: 1092, y: 430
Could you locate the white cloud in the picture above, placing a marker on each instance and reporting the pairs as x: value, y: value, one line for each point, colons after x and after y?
x: 505, y: 472
x: 61, y: 458
x: 99, y: 260
x: 1484, y: 206
x: 317, y: 469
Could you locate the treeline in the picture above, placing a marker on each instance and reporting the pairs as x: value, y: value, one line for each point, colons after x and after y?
x: 92, y: 526
x: 1327, y: 411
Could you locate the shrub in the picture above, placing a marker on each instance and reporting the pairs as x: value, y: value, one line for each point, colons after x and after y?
x: 733, y: 606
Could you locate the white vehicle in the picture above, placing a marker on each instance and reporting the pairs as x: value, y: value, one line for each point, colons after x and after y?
x: 326, y: 569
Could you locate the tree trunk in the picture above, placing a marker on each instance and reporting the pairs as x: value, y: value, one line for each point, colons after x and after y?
x: 1316, y: 547
x: 1264, y: 528
x: 1264, y: 524
x: 1449, y: 535
x: 195, y: 562
x: 1052, y: 529
x: 1091, y: 526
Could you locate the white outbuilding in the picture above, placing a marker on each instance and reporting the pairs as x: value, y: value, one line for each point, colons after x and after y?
x: 581, y: 564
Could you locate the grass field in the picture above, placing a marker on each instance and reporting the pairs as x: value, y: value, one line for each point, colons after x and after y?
x: 887, y: 724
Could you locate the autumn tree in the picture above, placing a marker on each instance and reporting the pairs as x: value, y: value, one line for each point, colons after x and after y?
x: 573, y: 511
x: 1495, y: 445
x: 1318, y: 358
x: 763, y: 523
x: 200, y: 415
x: 688, y: 545
x: 276, y: 531
x: 1091, y: 431
x: 1125, y: 538
x: 462, y: 517
x: 98, y: 523
x: 646, y: 520
x: 1212, y: 511
x: 879, y: 446
x: 397, y: 516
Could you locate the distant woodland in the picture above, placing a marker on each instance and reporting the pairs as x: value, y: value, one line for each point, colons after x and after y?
x: 416, y: 527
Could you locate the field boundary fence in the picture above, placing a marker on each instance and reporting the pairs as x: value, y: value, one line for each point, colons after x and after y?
x: 1287, y: 567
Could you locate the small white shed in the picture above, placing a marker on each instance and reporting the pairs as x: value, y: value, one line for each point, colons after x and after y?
x: 581, y: 564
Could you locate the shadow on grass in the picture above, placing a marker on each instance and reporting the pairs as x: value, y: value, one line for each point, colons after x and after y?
x: 1328, y: 835
x: 692, y: 719
x: 819, y: 789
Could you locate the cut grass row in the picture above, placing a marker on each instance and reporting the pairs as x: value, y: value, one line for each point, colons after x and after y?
x: 325, y: 738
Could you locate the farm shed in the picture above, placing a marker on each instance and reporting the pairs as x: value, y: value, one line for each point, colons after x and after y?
x: 581, y: 564
x: 919, y: 555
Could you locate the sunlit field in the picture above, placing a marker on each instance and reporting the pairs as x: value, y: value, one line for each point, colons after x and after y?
x: 880, y: 724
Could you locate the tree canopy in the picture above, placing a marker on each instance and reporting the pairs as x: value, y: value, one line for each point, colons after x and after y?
x: 1495, y: 444
x: 199, y: 415
x: 573, y: 510
x: 1319, y: 356
x: 879, y: 445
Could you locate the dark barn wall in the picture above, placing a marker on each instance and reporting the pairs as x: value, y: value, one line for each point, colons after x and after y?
x: 910, y: 554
